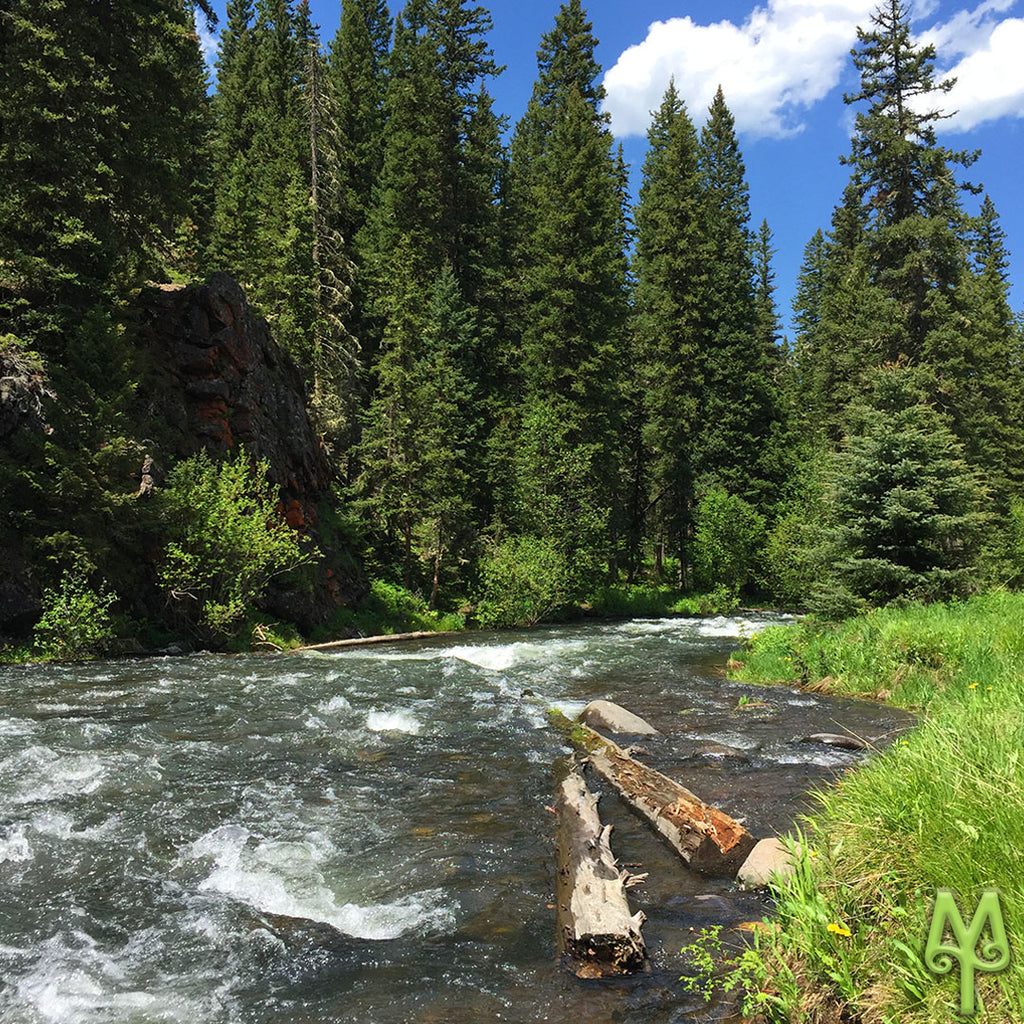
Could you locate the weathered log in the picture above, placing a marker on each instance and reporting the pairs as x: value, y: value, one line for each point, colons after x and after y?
x: 597, y: 935
x: 363, y: 641
x: 707, y: 839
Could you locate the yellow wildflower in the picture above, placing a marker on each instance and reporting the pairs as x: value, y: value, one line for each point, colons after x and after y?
x: 838, y: 929
x: 973, y: 686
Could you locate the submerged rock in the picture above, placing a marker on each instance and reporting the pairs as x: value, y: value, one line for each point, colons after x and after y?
x: 842, y: 740
x: 604, y: 716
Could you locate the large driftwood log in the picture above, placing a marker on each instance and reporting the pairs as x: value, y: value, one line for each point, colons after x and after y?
x: 363, y: 641
x: 707, y: 839
x: 597, y: 935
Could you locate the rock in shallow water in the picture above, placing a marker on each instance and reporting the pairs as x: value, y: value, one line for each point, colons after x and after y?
x: 604, y: 716
x: 769, y: 857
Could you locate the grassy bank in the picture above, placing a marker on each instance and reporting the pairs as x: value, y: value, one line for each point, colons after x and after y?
x: 943, y: 808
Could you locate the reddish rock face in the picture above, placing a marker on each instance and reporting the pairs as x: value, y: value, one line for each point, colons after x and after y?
x: 224, y: 382
x: 217, y: 379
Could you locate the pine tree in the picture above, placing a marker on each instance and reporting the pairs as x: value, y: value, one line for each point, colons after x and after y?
x: 334, y: 350
x: 358, y: 68
x: 568, y: 276
x: 903, y: 178
x: 739, y: 408
x: 667, y: 320
x: 909, y: 508
x: 102, y: 112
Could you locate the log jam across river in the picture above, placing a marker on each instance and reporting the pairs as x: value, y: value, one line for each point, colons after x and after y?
x: 361, y: 837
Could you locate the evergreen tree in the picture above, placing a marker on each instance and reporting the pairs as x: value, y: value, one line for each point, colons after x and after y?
x: 572, y: 306
x: 903, y: 178
x: 413, y: 488
x: 334, y: 350
x: 358, y: 68
x: 908, y: 506
x: 667, y: 320
x: 102, y: 113
x: 739, y: 409
x: 902, y: 284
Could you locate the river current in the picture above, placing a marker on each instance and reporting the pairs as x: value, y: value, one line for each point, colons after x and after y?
x: 361, y: 837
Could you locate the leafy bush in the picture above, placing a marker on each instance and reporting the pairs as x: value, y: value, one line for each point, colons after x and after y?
x: 524, y: 580
x: 76, y: 621
x: 390, y: 608
x: 729, y: 540
x: 229, y: 540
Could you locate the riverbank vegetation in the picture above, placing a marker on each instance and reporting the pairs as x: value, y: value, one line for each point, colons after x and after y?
x: 941, y: 808
x: 530, y: 393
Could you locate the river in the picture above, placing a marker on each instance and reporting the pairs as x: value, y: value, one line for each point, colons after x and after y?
x: 361, y: 837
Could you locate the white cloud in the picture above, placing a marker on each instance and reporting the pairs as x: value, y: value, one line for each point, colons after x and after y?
x: 208, y: 43
x: 990, y: 74
x: 790, y: 54
x: 780, y: 61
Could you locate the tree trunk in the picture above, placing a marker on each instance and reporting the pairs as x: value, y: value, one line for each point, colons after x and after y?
x: 707, y: 839
x: 597, y: 935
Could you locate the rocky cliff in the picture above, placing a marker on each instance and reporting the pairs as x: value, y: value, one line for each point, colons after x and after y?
x: 213, y: 377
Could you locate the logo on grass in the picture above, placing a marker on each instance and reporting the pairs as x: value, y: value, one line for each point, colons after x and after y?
x: 974, y: 954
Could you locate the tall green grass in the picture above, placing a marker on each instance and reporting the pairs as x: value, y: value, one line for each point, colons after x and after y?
x: 943, y: 808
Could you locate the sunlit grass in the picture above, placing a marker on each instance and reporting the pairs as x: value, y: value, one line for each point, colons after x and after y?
x: 942, y: 808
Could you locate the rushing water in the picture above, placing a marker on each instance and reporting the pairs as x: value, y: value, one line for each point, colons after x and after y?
x: 361, y: 837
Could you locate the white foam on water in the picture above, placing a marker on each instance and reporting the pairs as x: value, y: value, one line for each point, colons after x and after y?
x: 284, y: 878
x: 14, y: 847
x: 823, y: 759
x: 802, y: 702
x: 393, y: 721
x: 334, y: 705
x: 730, y: 739
x: 16, y: 727
x: 499, y: 658
x: 39, y: 774
x: 73, y: 981
x: 721, y: 625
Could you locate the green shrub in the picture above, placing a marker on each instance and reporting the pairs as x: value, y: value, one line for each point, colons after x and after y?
x: 76, y: 621
x: 729, y: 539
x: 228, y: 541
x: 390, y: 608
x: 524, y: 580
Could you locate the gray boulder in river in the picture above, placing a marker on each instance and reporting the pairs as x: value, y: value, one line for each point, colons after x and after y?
x: 604, y: 716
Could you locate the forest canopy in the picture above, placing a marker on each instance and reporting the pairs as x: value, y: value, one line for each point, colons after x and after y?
x: 533, y: 393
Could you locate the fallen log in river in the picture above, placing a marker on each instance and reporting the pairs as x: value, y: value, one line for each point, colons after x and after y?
x: 597, y: 935
x: 707, y: 839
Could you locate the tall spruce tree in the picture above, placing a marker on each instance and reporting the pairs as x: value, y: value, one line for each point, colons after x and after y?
x: 901, y: 284
x: 739, y: 407
x: 358, y: 68
x: 667, y: 321
x: 102, y: 110
x: 571, y: 283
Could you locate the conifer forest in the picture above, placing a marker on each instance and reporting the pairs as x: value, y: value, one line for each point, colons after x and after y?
x: 526, y: 393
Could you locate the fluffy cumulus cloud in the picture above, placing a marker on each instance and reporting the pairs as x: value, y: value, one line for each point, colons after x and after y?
x: 790, y: 54
x: 781, y: 60
x: 990, y: 71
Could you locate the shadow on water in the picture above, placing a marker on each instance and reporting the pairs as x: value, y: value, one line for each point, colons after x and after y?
x: 362, y: 836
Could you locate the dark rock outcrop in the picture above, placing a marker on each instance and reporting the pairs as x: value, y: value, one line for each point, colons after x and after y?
x: 19, y: 593
x: 213, y: 377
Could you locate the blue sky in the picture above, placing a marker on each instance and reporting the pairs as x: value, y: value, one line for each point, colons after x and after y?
x: 784, y: 66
